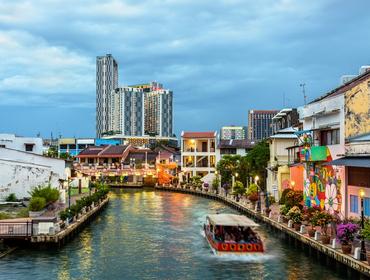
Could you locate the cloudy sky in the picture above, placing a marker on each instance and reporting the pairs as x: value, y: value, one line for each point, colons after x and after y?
x: 220, y: 57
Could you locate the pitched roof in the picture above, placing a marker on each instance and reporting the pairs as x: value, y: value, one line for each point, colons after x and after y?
x: 343, y: 88
x: 113, y: 151
x: 92, y: 151
x: 195, y: 134
x: 103, y: 151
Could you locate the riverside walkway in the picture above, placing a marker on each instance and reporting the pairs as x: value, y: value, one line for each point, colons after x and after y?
x: 39, y: 231
x: 330, y: 256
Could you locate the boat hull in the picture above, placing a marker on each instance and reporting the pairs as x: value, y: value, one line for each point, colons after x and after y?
x: 223, y: 248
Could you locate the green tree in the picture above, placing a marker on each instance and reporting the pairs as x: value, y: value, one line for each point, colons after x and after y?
x: 257, y: 159
x: 227, y: 166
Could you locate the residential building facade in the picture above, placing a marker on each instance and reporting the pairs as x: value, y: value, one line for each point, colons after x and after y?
x: 260, y: 124
x: 278, y: 172
x: 232, y: 147
x: 233, y: 132
x: 159, y: 112
x: 106, y: 82
x: 128, y: 111
x: 285, y: 118
x: 198, y: 153
x: 74, y: 146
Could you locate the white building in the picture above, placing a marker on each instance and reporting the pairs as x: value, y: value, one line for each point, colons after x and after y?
x: 233, y: 147
x: 198, y: 153
x: 20, y: 172
x: 26, y: 144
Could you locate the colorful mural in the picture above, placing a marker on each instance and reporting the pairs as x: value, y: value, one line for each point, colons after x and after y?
x: 322, y: 186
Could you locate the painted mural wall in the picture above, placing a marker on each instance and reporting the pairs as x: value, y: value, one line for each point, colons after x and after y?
x: 357, y: 110
x: 323, y: 186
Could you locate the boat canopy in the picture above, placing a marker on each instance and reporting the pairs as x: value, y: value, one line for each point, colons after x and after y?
x: 231, y: 220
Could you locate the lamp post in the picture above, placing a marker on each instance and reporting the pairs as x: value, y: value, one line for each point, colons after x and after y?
x: 363, y: 250
x: 256, y: 178
x: 292, y: 184
x: 69, y: 193
x: 233, y: 181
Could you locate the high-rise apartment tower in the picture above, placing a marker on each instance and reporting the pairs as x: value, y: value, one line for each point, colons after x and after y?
x: 260, y: 124
x: 106, y: 82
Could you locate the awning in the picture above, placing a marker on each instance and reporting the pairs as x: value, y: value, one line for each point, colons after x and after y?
x: 351, y: 161
x: 231, y: 220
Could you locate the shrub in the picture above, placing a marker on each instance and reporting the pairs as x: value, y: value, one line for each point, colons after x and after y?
x: 37, y: 203
x: 252, y: 189
x: 293, y: 198
x: 346, y: 232
x: 11, y: 198
x: 48, y: 193
x: 322, y: 219
x: 63, y: 215
x: 23, y: 213
x: 283, y: 195
x: 365, y: 232
x: 215, y: 183
x: 284, y: 209
x: 4, y: 216
x: 253, y: 197
x: 295, y: 214
x: 239, y: 188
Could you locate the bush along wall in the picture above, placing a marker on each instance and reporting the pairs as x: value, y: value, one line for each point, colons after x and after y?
x: 84, y: 203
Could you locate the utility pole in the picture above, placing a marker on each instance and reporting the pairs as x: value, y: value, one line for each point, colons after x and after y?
x: 304, y: 93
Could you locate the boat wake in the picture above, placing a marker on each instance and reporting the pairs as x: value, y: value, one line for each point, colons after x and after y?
x: 248, y: 258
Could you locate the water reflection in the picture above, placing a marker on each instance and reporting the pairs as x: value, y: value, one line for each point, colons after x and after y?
x: 156, y: 235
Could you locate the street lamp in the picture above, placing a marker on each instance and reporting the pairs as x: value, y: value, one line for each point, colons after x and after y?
x: 292, y: 183
x: 256, y: 179
x: 363, y: 250
x: 233, y: 181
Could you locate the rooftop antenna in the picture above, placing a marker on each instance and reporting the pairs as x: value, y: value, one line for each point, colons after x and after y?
x: 304, y: 93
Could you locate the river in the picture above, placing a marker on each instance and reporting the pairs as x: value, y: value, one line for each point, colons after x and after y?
x: 144, y: 234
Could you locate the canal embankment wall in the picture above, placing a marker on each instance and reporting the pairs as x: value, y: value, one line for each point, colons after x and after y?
x: 354, y: 268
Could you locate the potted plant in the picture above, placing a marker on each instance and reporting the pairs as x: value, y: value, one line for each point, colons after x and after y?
x: 345, y: 235
x: 215, y: 184
x: 284, y: 212
x: 308, y: 213
x: 365, y: 234
x: 295, y: 215
x: 322, y: 219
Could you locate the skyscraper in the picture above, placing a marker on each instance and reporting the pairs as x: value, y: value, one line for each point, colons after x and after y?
x: 128, y: 111
x: 158, y: 112
x: 260, y: 124
x: 106, y: 82
x: 233, y: 132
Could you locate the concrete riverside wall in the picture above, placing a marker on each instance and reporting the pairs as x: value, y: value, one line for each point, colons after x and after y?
x: 20, y: 172
x: 359, y: 266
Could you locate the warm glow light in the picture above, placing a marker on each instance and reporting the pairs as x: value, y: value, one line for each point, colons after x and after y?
x: 192, y: 141
x: 236, y: 174
x: 362, y: 193
x: 216, y: 172
x: 292, y: 183
x: 256, y: 178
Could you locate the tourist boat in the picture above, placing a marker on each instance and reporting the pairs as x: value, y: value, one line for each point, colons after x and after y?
x: 229, y: 234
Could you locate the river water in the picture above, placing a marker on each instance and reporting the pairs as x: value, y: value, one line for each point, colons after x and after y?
x: 157, y: 235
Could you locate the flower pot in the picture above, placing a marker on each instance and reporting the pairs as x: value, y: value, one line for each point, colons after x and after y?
x: 311, y: 232
x: 325, y: 239
x: 297, y: 227
x: 346, y: 248
x: 285, y: 219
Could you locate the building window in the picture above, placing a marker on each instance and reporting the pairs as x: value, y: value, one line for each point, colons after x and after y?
x: 367, y: 206
x: 330, y: 137
x: 353, y: 200
x: 29, y: 147
x: 2, y: 146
